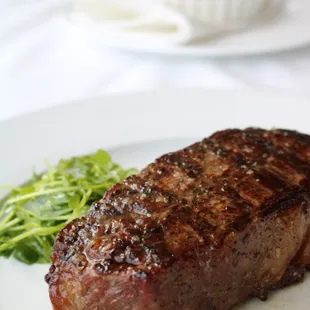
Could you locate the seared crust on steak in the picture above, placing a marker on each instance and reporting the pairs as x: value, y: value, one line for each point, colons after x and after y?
x: 201, y: 228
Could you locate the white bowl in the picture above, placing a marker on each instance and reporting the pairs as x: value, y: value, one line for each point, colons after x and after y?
x: 227, y: 13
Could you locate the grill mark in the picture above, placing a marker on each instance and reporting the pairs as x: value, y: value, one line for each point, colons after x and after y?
x: 238, y: 178
x: 285, y: 200
x: 289, y: 142
x: 283, y: 156
x: 221, y: 185
x: 234, y: 161
x: 254, y: 146
x: 239, y: 212
x: 271, y: 180
x: 298, y: 137
x: 180, y: 159
x: 299, y: 164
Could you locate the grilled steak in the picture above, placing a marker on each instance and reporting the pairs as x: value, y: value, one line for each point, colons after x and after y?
x: 201, y: 228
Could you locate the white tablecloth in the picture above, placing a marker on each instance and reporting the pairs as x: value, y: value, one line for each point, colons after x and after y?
x: 43, y: 62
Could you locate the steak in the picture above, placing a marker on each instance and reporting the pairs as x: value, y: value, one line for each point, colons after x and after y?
x: 205, y: 227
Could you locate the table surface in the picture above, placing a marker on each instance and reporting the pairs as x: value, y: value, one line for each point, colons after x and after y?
x: 43, y: 62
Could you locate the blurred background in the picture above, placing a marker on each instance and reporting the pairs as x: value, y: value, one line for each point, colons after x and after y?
x: 55, y: 51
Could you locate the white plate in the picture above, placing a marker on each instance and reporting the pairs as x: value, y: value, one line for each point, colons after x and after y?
x: 135, y: 128
x: 291, y: 30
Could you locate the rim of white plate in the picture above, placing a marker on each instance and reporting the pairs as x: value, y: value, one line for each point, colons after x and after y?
x: 249, y: 99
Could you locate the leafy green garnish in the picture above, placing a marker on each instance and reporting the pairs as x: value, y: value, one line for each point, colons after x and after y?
x: 32, y: 214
